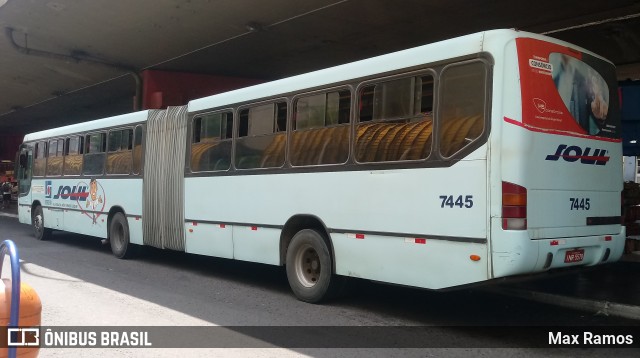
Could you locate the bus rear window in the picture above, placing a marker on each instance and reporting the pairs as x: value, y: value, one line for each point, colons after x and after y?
x: 567, y: 91
x: 583, y: 91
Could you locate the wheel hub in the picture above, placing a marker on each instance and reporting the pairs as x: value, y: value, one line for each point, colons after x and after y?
x: 308, y: 266
x: 37, y: 222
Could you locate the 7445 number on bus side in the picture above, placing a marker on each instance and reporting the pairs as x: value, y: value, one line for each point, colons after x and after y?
x: 465, y: 201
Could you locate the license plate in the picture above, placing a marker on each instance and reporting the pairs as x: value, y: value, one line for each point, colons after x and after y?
x: 574, y: 255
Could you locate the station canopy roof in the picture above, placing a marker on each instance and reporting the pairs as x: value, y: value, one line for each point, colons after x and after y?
x: 66, y: 61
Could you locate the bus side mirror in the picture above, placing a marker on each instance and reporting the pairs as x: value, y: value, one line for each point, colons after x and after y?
x: 23, y: 160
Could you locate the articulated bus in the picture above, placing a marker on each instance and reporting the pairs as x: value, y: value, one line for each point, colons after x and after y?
x: 485, y: 156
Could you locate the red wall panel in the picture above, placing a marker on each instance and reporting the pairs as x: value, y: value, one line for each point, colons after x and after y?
x: 164, y: 88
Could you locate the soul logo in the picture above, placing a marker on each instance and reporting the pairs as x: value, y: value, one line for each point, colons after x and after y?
x: 574, y: 153
x: 78, y: 193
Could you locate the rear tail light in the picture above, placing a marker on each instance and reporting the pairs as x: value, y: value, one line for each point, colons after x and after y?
x: 514, y: 206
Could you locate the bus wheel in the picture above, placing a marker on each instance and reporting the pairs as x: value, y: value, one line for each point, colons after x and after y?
x: 37, y: 220
x: 309, y: 267
x: 119, y: 237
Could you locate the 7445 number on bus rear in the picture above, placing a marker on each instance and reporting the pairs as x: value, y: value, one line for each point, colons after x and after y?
x: 580, y: 203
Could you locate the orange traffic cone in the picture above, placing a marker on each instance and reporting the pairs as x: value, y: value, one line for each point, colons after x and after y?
x: 30, y: 315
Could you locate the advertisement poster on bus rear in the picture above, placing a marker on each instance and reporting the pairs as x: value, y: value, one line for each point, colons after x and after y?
x: 566, y: 91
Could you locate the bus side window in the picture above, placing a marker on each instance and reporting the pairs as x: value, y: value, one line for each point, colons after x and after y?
x: 211, y: 142
x: 94, y: 154
x: 395, y: 120
x: 462, y: 108
x: 119, y: 156
x: 320, y: 133
x: 55, y: 159
x: 40, y: 160
x: 137, y: 150
x: 261, y: 137
x: 73, y: 155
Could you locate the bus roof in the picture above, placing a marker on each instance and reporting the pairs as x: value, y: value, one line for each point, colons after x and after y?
x: 461, y: 46
x: 120, y: 120
x: 438, y: 51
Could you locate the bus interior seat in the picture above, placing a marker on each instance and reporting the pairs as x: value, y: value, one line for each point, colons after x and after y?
x: 119, y: 162
x: 456, y: 133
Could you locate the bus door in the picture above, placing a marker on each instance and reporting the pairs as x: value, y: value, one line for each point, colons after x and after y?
x: 24, y: 161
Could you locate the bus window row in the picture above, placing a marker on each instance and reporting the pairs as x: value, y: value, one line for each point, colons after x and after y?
x: 116, y: 151
x: 394, y: 121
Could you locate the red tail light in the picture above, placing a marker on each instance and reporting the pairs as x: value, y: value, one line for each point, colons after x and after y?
x: 514, y: 206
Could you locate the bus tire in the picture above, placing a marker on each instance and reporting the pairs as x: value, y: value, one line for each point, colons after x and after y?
x: 309, y: 267
x: 37, y: 221
x: 119, y: 237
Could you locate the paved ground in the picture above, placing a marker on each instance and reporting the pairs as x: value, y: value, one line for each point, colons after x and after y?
x: 81, y: 284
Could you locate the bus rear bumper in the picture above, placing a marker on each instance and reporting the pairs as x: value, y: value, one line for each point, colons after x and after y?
x: 515, y: 253
x: 579, y: 251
